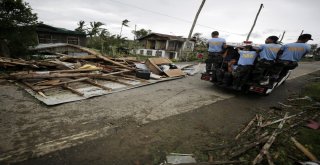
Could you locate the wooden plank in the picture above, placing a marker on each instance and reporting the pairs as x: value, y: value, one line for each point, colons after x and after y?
x: 42, y: 94
x: 247, y: 147
x: 98, y: 85
x: 76, y: 70
x: 270, y: 141
x: 269, y: 158
x: 47, y: 82
x: 303, y: 149
x: 60, y: 84
x: 73, y: 90
x: 115, y: 80
x: 277, y: 121
x: 68, y: 57
x: 216, y: 162
x: 246, y: 128
x: 113, y: 62
x: 135, y: 78
x: 43, y: 75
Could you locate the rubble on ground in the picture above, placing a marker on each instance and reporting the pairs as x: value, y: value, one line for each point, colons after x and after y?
x: 272, y: 136
x: 69, y: 78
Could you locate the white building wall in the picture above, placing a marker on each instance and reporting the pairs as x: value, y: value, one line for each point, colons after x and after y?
x: 154, y: 53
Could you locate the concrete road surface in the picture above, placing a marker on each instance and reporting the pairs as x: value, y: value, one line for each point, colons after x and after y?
x: 30, y: 129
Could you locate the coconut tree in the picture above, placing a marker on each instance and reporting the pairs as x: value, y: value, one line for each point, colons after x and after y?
x: 124, y: 23
x: 81, y: 27
x: 95, y: 28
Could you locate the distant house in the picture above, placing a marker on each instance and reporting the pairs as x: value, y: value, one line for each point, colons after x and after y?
x: 49, y: 34
x: 163, y: 45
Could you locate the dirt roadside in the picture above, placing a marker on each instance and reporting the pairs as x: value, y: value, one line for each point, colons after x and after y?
x: 184, y: 133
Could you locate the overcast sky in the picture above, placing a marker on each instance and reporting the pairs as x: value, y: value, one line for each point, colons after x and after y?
x: 232, y: 18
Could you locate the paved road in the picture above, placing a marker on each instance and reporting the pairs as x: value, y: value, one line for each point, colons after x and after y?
x: 29, y: 128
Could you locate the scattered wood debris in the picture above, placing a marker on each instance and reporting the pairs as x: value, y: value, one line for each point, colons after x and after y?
x: 70, y: 78
x: 255, y: 145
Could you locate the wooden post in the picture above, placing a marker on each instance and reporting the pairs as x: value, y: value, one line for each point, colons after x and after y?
x: 254, y: 23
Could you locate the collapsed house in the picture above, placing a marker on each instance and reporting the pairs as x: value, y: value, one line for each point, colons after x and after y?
x: 68, y: 78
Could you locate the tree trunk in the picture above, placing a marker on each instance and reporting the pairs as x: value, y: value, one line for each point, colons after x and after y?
x: 121, y: 31
x: 4, y: 50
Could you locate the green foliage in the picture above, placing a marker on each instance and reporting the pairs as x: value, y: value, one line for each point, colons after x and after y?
x: 141, y: 33
x: 81, y: 27
x: 17, y: 26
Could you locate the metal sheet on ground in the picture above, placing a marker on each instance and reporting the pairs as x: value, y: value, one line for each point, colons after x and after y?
x: 58, y: 96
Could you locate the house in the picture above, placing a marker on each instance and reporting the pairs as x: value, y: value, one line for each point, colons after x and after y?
x: 163, y: 45
x: 48, y: 34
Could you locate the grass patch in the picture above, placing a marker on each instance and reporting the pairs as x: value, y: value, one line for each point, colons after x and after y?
x: 313, y: 90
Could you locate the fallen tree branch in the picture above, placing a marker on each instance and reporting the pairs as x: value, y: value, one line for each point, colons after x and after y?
x: 247, y: 147
x: 279, y: 120
x: 269, y: 142
x: 246, y: 128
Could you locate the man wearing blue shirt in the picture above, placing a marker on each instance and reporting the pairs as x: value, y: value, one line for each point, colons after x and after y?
x: 216, y: 46
x: 290, y: 54
x: 267, y: 56
x: 243, y: 69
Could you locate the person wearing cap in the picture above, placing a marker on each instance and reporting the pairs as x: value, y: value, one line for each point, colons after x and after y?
x: 245, y: 64
x: 266, y: 59
x: 290, y: 54
x: 216, y: 47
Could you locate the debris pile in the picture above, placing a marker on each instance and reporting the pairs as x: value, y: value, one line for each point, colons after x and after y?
x: 82, y: 76
x: 272, y: 136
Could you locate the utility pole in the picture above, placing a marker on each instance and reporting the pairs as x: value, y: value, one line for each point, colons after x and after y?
x: 254, y: 23
x: 301, y: 32
x: 284, y: 32
x: 195, y: 19
x: 192, y: 27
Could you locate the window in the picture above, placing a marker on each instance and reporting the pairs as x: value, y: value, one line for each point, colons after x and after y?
x: 158, y: 53
x: 141, y: 52
x: 149, y: 52
x: 44, y: 38
x: 73, y: 40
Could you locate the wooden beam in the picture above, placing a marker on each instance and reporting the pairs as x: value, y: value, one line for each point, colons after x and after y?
x: 76, y: 70
x: 113, y: 62
x: 60, y: 84
x: 115, y: 80
x: 270, y: 141
x: 43, y: 75
x: 246, y: 128
x: 303, y: 149
x: 73, y: 90
x: 98, y: 85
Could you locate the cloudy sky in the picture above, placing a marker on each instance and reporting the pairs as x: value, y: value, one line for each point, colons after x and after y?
x: 232, y: 18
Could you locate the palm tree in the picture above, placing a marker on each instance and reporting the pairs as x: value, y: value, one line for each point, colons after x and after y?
x: 124, y: 23
x: 81, y: 27
x: 95, y: 28
x: 103, y: 36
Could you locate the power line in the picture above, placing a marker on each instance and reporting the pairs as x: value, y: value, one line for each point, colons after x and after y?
x: 173, y: 17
